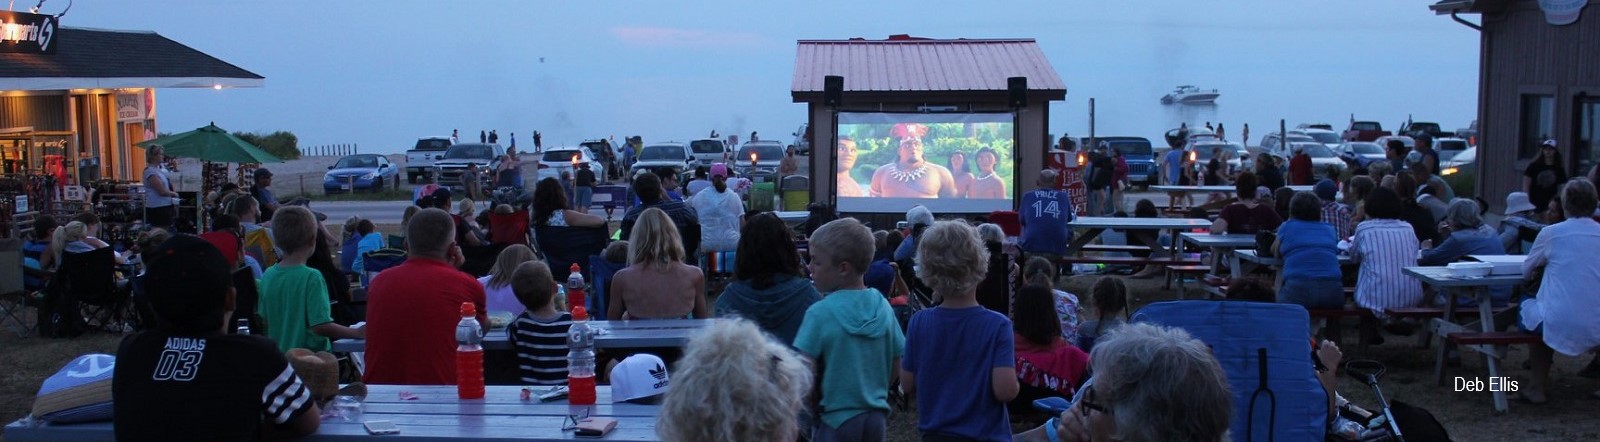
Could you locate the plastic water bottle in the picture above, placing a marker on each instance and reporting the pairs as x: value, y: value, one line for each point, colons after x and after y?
x: 244, y: 326
x: 469, y: 354
x: 580, y: 359
x: 575, y: 286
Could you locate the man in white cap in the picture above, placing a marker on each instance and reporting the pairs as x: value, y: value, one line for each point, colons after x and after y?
x: 640, y: 379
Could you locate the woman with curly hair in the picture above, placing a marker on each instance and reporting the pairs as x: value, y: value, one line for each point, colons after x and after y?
x: 551, y: 208
x: 734, y: 384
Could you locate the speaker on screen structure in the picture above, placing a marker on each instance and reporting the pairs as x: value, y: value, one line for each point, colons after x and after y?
x: 1018, y: 87
x: 832, y: 90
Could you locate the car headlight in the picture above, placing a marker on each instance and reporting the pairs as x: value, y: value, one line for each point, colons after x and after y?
x: 1448, y: 171
x: 369, y: 175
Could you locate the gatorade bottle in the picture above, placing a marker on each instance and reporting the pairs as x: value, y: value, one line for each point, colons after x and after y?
x: 580, y: 359
x: 469, y: 354
x: 575, y: 286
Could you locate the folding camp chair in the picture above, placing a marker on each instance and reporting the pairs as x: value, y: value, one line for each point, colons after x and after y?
x: 86, y: 284
x: 598, y: 299
x: 377, y: 261
x: 509, y: 228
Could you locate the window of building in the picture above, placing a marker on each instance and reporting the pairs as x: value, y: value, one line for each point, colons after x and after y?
x: 1536, y: 123
x: 1585, y: 147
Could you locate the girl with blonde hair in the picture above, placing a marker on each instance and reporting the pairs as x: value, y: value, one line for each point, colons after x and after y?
x: 657, y: 284
x: 497, y: 285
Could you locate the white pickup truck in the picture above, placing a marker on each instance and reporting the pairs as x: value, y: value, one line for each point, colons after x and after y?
x: 419, y: 160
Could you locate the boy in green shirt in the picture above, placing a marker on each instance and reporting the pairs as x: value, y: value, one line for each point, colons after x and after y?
x: 851, y: 336
x: 294, y: 298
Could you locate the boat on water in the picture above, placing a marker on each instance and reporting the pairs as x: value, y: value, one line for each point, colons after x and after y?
x: 1190, y: 95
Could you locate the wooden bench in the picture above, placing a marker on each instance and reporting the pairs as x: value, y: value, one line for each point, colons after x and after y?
x: 1492, y: 338
x: 1114, y: 248
x: 1332, y: 331
x: 1491, y: 344
x: 1177, y: 272
x: 1425, y: 336
x: 1114, y: 260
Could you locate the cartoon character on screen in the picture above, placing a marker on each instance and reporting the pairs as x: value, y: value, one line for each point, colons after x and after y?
x: 988, y: 184
x: 910, y: 176
x: 962, y: 171
x: 848, y: 187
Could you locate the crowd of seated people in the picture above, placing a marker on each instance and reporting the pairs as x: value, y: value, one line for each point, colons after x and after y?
x: 994, y: 332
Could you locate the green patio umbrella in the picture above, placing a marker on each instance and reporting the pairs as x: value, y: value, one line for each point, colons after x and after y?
x: 213, y: 144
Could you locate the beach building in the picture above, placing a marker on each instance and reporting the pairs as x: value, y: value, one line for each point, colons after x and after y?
x: 1537, y: 79
x: 74, y: 101
x: 910, y: 74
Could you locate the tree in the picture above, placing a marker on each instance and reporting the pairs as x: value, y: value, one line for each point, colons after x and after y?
x: 282, y: 144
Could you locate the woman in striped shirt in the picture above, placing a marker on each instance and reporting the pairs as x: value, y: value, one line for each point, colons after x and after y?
x: 1384, y: 245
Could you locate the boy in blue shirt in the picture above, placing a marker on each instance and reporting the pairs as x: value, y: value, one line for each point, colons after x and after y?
x: 959, y: 359
x: 851, y: 336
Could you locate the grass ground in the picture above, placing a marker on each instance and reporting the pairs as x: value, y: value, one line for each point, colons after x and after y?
x: 1469, y: 416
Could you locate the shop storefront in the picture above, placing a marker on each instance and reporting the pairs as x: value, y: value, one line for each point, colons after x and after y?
x: 74, y: 102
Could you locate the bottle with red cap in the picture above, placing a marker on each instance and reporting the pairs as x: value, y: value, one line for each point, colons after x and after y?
x: 469, y: 354
x: 580, y: 359
x: 575, y: 286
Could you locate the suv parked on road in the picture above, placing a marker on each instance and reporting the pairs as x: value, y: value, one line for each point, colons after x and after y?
x: 802, y: 140
x: 707, y: 151
x: 1140, y: 157
x: 456, y: 159
x: 674, y: 155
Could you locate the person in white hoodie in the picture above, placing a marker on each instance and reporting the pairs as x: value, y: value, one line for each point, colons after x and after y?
x: 721, y: 212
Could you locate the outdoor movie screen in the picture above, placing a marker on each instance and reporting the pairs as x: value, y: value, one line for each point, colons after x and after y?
x: 951, y: 163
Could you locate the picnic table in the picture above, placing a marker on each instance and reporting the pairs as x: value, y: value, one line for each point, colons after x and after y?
x: 435, y: 414
x: 1098, y: 224
x: 1443, y: 279
x: 1245, y: 261
x: 652, y: 333
x: 1220, y: 245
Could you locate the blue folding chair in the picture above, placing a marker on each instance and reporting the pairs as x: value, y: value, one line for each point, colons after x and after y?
x: 598, y: 299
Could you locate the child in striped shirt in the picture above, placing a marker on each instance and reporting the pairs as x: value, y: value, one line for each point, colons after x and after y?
x: 539, y: 334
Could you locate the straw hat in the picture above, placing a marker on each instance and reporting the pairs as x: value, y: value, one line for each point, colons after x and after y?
x: 319, y: 371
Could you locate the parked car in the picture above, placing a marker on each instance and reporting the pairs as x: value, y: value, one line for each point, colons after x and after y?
x: 674, y: 155
x: 1364, y: 131
x: 456, y: 159
x: 1273, y: 143
x: 802, y: 140
x: 1411, y: 143
x: 1140, y: 157
x: 1200, y: 153
x: 1358, y: 154
x: 1325, y: 136
x: 359, y: 172
x: 560, y: 159
x: 1449, y: 147
x: 767, y: 155
x: 1462, y: 161
x: 419, y: 160
x: 1320, y: 126
x: 707, y: 151
x: 1322, y: 158
x: 606, y: 154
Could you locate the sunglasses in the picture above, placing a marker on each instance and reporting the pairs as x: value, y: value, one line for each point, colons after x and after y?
x: 1089, y: 405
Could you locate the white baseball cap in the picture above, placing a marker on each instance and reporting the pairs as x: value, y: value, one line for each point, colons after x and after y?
x: 639, y: 378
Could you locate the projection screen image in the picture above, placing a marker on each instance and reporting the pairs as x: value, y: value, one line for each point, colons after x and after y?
x: 951, y: 163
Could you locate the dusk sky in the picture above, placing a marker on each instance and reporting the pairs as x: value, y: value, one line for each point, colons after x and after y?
x: 383, y: 73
